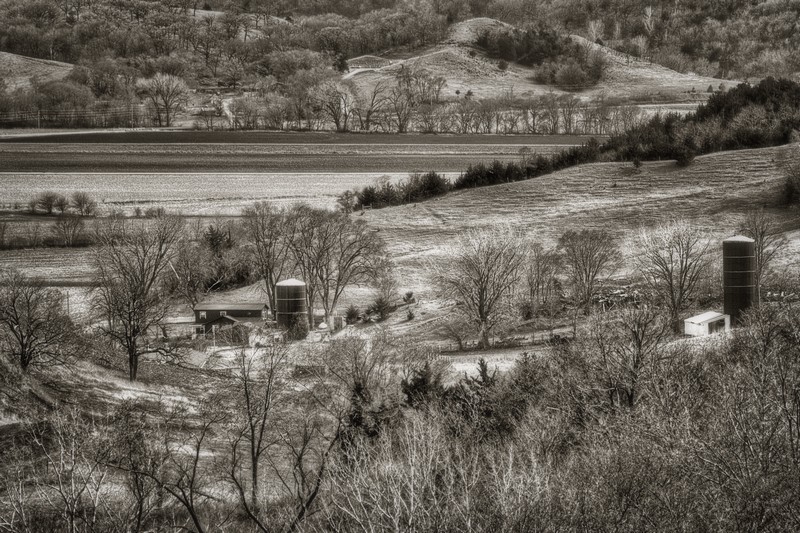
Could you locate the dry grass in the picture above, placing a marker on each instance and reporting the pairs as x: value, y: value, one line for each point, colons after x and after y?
x: 18, y: 71
x: 712, y: 192
x: 626, y: 77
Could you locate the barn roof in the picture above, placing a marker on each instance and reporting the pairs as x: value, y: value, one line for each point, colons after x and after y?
x: 708, y: 316
x: 230, y: 306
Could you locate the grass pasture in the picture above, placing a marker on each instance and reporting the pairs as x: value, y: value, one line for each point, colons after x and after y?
x: 713, y: 192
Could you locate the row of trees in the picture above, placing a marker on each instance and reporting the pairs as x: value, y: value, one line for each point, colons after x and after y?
x: 498, y: 277
x: 340, y: 105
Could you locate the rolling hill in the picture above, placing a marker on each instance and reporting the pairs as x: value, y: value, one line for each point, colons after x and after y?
x: 467, y: 68
x: 712, y: 192
x: 19, y: 71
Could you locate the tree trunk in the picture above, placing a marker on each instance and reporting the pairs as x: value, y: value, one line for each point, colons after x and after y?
x: 254, y: 478
x: 133, y: 362
x: 484, y: 336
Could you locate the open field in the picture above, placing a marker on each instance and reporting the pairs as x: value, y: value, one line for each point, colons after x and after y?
x: 198, y: 193
x: 274, y: 137
x: 254, y: 158
x: 197, y: 153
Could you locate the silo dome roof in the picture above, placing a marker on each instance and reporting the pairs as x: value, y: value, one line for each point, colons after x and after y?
x: 290, y: 283
x: 739, y: 238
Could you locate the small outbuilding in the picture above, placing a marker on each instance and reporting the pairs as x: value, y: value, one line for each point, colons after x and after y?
x: 707, y: 324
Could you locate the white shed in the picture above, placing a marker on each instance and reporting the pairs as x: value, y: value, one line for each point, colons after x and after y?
x: 706, y: 324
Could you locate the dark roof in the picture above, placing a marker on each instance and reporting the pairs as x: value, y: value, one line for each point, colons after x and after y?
x: 230, y: 306
x: 234, y: 320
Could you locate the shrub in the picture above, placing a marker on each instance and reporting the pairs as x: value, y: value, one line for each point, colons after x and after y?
x: 423, y: 386
x: 502, y: 64
x: 351, y: 314
x: 380, y: 307
x: 154, y: 212
x: 410, y: 315
x: 408, y: 297
x: 298, y: 329
x: 526, y: 310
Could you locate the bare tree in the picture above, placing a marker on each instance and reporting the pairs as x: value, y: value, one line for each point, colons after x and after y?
x: 46, y: 201
x: 337, y: 99
x: 401, y: 108
x: 595, y: 29
x: 765, y: 230
x: 332, y: 251
x: 672, y: 260
x: 259, y: 383
x: 626, y: 349
x: 61, y: 204
x: 179, y: 449
x: 68, y: 229
x: 370, y: 104
x: 568, y: 105
x: 266, y: 228
x: 167, y: 94
x: 587, y: 255
x: 76, y: 475
x: 194, y: 274
x: 130, y: 295
x: 133, y: 447
x: 33, y: 323
x: 541, y: 275
x: 83, y: 203
x: 479, y: 272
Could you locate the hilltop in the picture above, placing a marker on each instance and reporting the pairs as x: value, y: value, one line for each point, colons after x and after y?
x: 466, y: 67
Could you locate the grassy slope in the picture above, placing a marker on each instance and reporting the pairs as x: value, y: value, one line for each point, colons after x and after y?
x: 712, y: 191
x: 17, y: 71
x: 626, y: 76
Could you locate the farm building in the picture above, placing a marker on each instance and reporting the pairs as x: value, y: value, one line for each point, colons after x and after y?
x: 211, y: 317
x: 707, y: 324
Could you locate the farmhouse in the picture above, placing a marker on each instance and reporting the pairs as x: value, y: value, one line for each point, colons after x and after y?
x: 209, y: 317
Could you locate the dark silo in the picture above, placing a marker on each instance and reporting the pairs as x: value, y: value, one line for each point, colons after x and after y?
x: 739, y: 276
x: 290, y: 302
